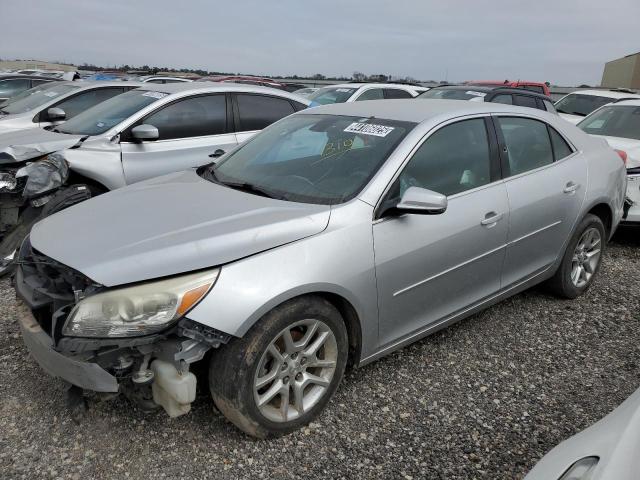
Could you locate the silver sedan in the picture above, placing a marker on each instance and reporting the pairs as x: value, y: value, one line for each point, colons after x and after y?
x: 333, y: 237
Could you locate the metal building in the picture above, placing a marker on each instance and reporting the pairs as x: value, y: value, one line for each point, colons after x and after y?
x: 623, y: 72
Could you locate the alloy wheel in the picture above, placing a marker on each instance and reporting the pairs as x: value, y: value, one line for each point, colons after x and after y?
x: 295, y: 370
x: 586, y: 257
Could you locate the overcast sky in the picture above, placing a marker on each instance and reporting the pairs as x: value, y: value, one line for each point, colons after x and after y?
x: 565, y: 42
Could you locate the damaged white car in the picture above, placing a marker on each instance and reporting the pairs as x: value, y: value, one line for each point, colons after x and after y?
x: 336, y: 235
x: 138, y: 135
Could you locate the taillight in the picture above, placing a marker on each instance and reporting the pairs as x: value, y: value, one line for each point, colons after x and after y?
x: 623, y: 155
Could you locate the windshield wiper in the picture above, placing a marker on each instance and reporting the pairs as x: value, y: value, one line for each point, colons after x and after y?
x: 250, y: 188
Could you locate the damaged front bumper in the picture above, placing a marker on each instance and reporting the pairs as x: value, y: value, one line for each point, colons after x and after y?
x: 151, y: 370
x: 86, y: 375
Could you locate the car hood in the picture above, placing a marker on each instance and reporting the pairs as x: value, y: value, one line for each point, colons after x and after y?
x: 629, y: 146
x: 614, y: 439
x: 21, y: 145
x: 571, y: 118
x: 168, y: 225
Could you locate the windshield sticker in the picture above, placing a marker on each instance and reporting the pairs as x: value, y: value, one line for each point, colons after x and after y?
x: 343, y: 90
x: 155, y: 94
x: 369, y: 129
x: 477, y: 94
x: 50, y: 94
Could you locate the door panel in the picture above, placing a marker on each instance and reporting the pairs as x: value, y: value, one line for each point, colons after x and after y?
x: 149, y: 159
x: 545, y: 196
x: 430, y: 266
x: 190, y: 130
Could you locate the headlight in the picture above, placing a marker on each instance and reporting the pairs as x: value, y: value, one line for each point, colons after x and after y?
x: 139, y: 310
x: 583, y: 469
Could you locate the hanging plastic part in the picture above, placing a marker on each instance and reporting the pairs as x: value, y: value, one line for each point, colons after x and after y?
x: 172, y: 390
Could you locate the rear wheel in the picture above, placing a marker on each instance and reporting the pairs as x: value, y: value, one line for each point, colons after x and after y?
x: 281, y: 374
x: 582, y: 259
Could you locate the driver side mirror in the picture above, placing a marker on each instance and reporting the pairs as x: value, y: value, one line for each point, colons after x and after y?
x: 56, y: 114
x: 422, y: 201
x: 145, y: 132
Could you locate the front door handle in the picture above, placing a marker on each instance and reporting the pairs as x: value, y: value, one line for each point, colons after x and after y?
x: 491, y: 218
x: 218, y: 153
x: 571, y: 187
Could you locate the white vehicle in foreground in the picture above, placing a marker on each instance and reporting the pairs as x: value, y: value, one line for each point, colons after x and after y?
x: 577, y: 105
x: 607, y: 450
x: 357, y: 92
x: 619, y: 124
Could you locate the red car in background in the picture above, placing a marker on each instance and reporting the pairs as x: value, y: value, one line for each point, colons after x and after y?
x: 533, y: 86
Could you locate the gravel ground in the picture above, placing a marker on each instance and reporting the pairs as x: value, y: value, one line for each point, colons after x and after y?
x: 485, y: 398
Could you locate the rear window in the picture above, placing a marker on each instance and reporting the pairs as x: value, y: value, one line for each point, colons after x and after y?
x: 329, y: 95
x: 614, y: 121
x: 581, y: 104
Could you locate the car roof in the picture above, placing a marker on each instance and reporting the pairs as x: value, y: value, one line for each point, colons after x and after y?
x: 607, y: 93
x: 505, y: 82
x: 417, y: 110
x: 206, y: 87
x: 635, y: 102
x: 24, y: 75
x: 519, y: 91
x: 473, y: 88
x: 87, y: 84
x: 373, y: 84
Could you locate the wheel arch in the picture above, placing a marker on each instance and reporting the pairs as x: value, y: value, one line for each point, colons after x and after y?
x: 604, y: 212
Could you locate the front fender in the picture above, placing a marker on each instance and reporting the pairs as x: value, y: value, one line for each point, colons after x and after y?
x: 338, y: 261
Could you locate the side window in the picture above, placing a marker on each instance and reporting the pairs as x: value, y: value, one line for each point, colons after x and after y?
x: 259, y: 111
x: 524, y: 101
x: 10, y: 87
x: 297, y: 106
x: 193, y: 117
x: 502, y: 98
x: 371, y: 94
x: 454, y: 159
x: 85, y: 100
x: 560, y: 147
x: 527, y: 142
x: 396, y: 93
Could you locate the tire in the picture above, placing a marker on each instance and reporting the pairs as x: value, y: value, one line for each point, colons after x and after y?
x: 563, y: 283
x: 309, y: 379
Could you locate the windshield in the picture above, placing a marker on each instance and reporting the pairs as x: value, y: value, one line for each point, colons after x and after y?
x: 323, y: 159
x: 31, y: 91
x: 581, y: 104
x: 37, y: 97
x: 452, y: 94
x: 614, y: 121
x: 328, y: 95
x: 110, y: 113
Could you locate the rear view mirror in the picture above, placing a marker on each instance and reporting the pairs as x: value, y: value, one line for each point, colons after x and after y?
x: 145, y: 132
x: 422, y: 201
x: 56, y: 113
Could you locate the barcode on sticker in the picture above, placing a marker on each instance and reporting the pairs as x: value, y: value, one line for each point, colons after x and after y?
x: 369, y: 129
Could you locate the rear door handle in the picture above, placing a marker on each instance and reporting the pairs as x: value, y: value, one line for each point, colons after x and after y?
x: 491, y: 218
x: 571, y: 187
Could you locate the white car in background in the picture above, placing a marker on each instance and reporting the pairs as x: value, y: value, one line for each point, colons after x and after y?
x: 162, y: 79
x: 607, y: 450
x: 619, y: 124
x: 356, y: 92
x: 577, y: 105
x: 53, y: 103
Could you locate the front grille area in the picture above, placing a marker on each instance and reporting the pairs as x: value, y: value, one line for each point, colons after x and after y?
x: 49, y: 288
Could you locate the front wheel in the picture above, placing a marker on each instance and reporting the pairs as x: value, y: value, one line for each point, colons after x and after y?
x: 281, y: 374
x: 582, y: 259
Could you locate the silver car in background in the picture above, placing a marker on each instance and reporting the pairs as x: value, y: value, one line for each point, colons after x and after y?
x: 333, y: 237
x: 137, y: 135
x: 53, y: 103
x: 607, y: 450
